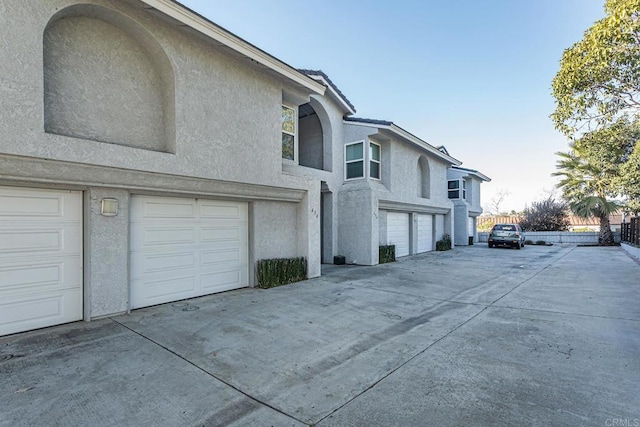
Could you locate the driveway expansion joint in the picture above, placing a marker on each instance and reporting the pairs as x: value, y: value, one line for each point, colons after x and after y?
x: 253, y: 398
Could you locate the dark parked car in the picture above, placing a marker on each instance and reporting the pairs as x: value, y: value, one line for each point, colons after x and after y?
x: 506, y: 235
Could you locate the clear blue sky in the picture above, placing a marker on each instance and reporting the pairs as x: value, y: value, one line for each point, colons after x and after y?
x: 472, y: 75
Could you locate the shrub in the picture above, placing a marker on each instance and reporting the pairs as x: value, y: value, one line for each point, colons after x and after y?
x: 280, y: 271
x: 546, y: 215
x: 541, y: 243
x: 444, y: 244
x: 386, y: 254
x: 528, y: 242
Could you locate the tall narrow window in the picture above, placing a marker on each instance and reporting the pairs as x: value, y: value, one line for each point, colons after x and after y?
x: 374, y: 160
x: 354, y: 160
x: 288, y: 133
x: 454, y: 189
x: 464, y: 189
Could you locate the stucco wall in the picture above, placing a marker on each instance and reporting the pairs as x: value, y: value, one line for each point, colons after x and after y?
x: 106, y: 254
x: 310, y: 142
x: 398, y: 189
x: 330, y: 117
x: 358, y: 228
x: 227, y: 114
x: 78, y: 51
x: 205, y: 123
x: 275, y: 230
x: 461, y: 218
x: 439, y: 227
x: 399, y: 180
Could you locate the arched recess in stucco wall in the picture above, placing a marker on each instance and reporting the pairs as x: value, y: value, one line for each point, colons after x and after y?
x: 107, y: 79
x: 424, y: 178
x: 316, y: 136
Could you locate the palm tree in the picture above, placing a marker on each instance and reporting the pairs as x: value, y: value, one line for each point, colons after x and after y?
x: 586, y: 185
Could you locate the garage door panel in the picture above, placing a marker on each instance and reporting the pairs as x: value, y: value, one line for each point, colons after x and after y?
x: 212, y: 247
x: 34, y: 277
x: 165, y: 207
x: 39, y: 240
x: 25, y: 313
x: 425, y: 233
x: 222, y: 210
x: 40, y: 258
x: 156, y: 290
x: 169, y: 236
x: 39, y: 205
x: 221, y: 234
x: 398, y: 232
x: 150, y: 263
x: 17, y: 241
x: 221, y: 281
x: 220, y: 256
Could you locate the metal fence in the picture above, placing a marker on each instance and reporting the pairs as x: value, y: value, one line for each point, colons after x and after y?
x: 630, y: 231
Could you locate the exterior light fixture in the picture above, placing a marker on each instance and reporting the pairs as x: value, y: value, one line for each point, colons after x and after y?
x: 109, y: 207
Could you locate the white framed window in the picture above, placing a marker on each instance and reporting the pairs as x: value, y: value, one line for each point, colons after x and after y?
x: 354, y: 160
x: 453, y: 187
x: 464, y: 189
x: 289, y: 126
x: 374, y: 160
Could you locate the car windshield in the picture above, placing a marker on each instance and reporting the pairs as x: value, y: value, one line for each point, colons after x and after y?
x: 501, y: 227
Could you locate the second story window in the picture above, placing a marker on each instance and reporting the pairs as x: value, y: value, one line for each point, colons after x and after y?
x: 457, y: 189
x: 354, y: 160
x: 374, y: 160
x: 288, y: 133
x: 454, y: 188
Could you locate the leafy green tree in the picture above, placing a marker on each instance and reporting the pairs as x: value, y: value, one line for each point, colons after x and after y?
x: 587, y: 185
x: 597, y: 92
x: 599, y: 76
x: 629, y: 180
x: 546, y: 215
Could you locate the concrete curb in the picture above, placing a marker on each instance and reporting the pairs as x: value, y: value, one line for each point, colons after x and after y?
x: 632, y: 251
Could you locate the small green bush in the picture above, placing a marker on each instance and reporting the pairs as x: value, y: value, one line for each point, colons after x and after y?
x: 280, y: 271
x: 528, y: 242
x: 541, y: 243
x: 444, y: 244
x: 386, y: 254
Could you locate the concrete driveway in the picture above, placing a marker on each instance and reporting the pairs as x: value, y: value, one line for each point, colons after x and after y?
x: 474, y: 336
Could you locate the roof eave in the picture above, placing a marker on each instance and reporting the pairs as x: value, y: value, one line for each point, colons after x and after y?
x: 410, y: 138
x: 345, y: 107
x: 204, y: 26
x: 474, y: 172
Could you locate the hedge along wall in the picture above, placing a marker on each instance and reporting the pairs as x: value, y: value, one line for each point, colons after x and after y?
x: 280, y: 271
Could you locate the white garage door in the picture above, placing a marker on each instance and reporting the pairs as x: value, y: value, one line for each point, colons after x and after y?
x: 184, y: 248
x: 425, y: 233
x: 40, y: 258
x: 398, y: 232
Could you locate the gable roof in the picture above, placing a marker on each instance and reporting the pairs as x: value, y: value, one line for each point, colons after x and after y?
x: 407, y: 136
x: 443, y: 149
x: 335, y: 93
x: 202, y: 25
x: 472, y: 172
